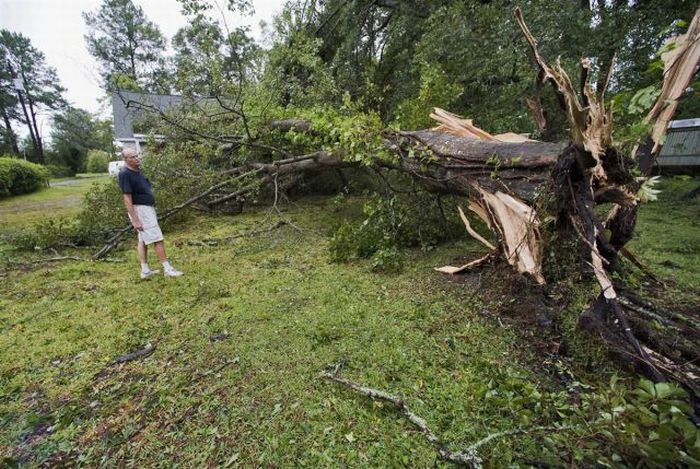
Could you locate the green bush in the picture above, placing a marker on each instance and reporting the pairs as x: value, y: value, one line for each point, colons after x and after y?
x: 394, y: 222
x: 102, y: 214
x: 97, y: 161
x: 21, y: 177
x: 48, y: 233
x: 59, y: 171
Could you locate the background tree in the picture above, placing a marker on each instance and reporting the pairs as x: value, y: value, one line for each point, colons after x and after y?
x: 41, y: 88
x: 391, y: 55
x: 198, y: 58
x: 128, y: 47
x: 210, y: 60
x: 9, y: 107
x: 75, y: 132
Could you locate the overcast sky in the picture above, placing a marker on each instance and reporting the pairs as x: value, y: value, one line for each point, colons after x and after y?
x: 56, y: 28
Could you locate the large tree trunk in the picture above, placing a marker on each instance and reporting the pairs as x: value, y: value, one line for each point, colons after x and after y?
x: 11, y: 136
x: 38, y: 149
x: 458, y: 163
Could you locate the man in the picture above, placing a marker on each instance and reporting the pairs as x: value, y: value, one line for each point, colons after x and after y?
x: 139, y: 202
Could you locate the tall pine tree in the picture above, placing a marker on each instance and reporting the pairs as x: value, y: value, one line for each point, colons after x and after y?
x: 129, y: 48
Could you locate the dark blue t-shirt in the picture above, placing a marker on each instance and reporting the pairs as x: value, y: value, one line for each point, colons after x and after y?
x: 138, y: 185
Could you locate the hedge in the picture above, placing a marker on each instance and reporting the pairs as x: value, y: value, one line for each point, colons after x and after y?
x: 21, y: 177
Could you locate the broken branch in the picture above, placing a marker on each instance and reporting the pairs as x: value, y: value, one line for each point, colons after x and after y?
x: 465, y: 458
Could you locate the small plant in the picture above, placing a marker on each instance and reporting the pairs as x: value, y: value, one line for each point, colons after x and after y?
x: 388, y: 260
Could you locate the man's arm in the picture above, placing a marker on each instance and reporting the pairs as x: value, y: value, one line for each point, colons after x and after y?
x: 128, y: 203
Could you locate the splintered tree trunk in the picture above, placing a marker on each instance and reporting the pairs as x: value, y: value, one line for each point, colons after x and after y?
x: 456, y: 164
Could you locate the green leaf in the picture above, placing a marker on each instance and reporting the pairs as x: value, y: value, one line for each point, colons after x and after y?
x: 647, y: 387
x: 663, y: 390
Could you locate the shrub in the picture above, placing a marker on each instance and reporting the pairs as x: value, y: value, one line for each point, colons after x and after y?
x: 387, y: 260
x: 45, y: 234
x: 97, y: 161
x: 21, y: 177
x: 102, y: 213
x: 390, y: 223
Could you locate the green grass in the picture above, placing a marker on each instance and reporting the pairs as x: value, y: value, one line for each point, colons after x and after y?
x: 668, y: 233
x: 63, y: 200
x: 255, y: 398
x: 289, y: 313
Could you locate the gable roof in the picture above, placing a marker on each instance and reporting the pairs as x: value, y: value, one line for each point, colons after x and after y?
x: 127, y: 106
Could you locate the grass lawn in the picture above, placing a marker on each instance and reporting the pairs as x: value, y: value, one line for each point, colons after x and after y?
x: 283, y: 314
x: 62, y: 199
x: 668, y: 235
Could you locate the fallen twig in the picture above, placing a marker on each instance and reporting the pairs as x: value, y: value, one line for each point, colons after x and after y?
x: 218, y: 337
x: 57, y: 259
x: 468, y: 457
x: 144, y: 352
x: 13, y: 265
x: 216, y: 370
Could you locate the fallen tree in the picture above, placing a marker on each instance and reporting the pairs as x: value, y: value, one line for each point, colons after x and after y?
x: 513, y: 184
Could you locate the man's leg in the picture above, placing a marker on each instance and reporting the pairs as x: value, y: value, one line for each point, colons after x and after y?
x: 142, y: 251
x: 168, y: 269
x: 159, y: 247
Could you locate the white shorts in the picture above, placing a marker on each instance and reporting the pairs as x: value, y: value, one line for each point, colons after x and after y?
x: 151, y: 231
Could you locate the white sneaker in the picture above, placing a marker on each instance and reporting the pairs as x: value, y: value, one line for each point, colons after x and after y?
x: 172, y: 273
x: 149, y: 274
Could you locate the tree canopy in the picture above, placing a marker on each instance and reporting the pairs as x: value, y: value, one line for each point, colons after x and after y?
x: 128, y: 46
x: 75, y: 132
x: 41, y: 89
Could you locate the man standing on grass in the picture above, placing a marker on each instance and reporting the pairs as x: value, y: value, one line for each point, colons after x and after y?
x: 139, y: 202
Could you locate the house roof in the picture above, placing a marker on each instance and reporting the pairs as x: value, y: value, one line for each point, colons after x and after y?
x: 127, y: 106
x: 684, y: 123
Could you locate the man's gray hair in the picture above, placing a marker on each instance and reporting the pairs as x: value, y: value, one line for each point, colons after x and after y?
x: 129, y: 152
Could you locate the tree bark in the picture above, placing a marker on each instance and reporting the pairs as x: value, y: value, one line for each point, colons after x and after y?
x: 11, y: 136
x: 453, y: 165
x: 27, y: 119
x: 38, y: 149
